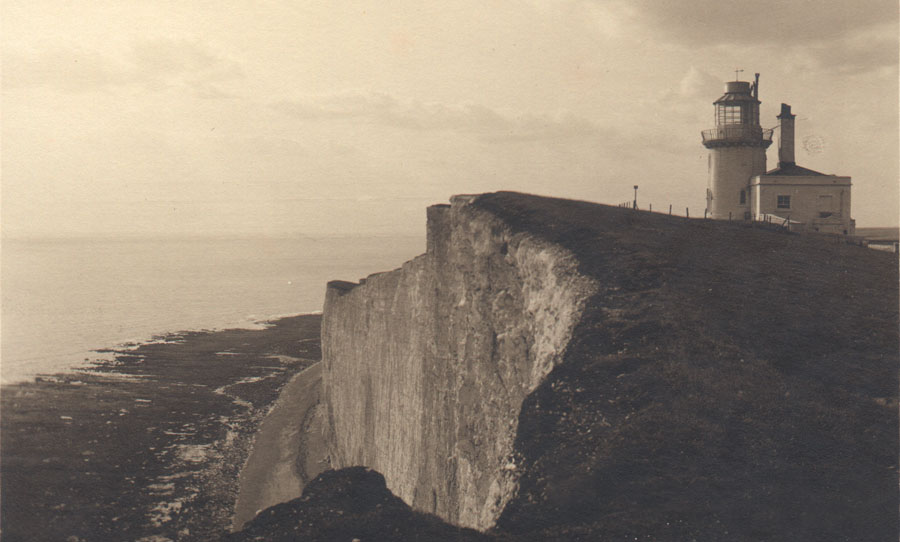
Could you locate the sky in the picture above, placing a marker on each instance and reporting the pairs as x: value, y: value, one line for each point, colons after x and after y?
x: 349, y: 118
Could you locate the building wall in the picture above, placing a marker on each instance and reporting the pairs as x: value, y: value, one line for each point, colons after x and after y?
x: 730, y: 170
x: 810, y: 197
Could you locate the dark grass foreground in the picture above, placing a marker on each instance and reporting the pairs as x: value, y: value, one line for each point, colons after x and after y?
x: 726, y: 383
x: 148, y: 447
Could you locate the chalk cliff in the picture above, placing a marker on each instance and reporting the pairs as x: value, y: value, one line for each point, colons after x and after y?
x: 562, y: 370
x: 426, y: 367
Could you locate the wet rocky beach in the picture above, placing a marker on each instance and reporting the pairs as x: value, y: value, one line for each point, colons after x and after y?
x: 148, y: 446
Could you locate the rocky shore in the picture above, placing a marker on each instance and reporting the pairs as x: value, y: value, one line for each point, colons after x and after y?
x: 147, y: 447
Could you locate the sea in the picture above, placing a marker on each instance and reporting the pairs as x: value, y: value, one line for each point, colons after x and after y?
x: 61, y: 300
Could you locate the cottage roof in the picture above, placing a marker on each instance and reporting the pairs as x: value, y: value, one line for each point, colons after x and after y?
x: 793, y: 170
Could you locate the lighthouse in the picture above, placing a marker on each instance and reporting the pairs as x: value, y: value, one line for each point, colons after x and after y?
x: 737, y: 150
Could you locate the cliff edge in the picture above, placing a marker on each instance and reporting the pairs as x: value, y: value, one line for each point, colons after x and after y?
x: 426, y: 367
x: 554, y: 369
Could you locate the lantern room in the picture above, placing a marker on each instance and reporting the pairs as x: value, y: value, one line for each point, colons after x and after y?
x: 737, y: 118
x: 739, y: 105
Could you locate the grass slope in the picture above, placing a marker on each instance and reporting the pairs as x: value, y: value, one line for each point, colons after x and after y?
x: 726, y: 383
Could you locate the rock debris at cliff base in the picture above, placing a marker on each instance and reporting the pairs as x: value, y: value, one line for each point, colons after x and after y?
x: 350, y: 504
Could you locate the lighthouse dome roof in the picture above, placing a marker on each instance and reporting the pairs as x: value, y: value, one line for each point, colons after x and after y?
x: 737, y: 92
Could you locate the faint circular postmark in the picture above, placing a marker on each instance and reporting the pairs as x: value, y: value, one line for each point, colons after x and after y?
x: 813, y: 144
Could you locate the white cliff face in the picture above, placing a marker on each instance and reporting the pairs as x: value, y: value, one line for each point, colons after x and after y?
x: 426, y: 367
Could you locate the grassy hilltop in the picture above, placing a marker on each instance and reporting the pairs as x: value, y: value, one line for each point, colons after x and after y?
x: 726, y: 383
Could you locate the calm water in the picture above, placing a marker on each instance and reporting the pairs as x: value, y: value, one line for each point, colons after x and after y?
x: 63, y: 298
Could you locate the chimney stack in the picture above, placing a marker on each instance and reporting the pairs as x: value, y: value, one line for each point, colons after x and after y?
x: 786, y: 142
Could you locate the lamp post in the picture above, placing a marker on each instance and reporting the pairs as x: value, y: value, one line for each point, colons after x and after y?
x: 634, y: 205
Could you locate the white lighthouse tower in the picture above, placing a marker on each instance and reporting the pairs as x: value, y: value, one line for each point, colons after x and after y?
x: 737, y: 150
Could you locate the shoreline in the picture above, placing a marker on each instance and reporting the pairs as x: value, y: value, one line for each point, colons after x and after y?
x: 88, y: 359
x: 147, y: 446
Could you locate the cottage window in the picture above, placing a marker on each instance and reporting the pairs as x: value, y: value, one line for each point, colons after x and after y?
x: 784, y: 202
x: 743, y: 197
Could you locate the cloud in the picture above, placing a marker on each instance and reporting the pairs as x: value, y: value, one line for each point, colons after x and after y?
x: 698, y: 83
x: 67, y: 70
x: 714, y: 22
x: 163, y: 62
x: 152, y: 64
x: 845, y: 37
x: 874, y: 48
x: 478, y: 120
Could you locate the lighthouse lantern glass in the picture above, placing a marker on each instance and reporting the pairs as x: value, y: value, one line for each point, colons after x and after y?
x: 729, y: 114
x: 744, y: 113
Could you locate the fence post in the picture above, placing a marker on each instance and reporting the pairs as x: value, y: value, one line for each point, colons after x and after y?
x: 687, y: 212
x: 729, y: 216
x: 670, y: 208
x: 705, y: 212
x: 651, y: 207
